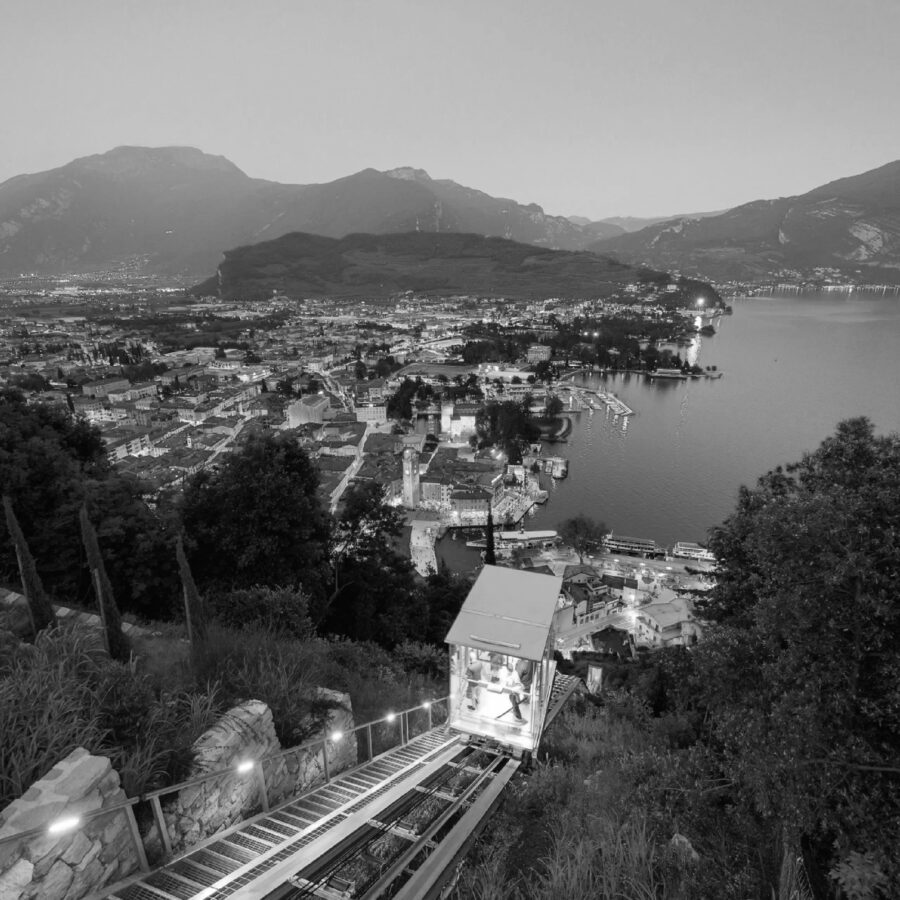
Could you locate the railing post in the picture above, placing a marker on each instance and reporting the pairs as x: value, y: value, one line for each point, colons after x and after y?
x: 325, y: 760
x: 161, y: 824
x: 136, y: 837
x: 263, y: 791
x: 369, y: 739
x: 430, y: 723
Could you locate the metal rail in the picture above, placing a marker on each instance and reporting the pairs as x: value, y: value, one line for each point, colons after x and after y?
x: 323, y: 878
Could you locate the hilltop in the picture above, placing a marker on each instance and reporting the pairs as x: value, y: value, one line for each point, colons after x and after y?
x: 368, y: 265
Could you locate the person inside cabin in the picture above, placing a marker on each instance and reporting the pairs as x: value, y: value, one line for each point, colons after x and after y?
x: 473, y: 679
x: 520, y: 681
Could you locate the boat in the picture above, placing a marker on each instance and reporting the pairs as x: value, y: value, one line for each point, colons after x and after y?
x: 669, y: 373
x: 690, y: 550
x: 637, y: 546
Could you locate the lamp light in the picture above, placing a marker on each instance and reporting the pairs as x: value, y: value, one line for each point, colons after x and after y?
x: 66, y: 823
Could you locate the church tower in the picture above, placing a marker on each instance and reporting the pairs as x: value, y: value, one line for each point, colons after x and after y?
x: 410, y: 478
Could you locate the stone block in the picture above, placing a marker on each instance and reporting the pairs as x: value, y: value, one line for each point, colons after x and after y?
x: 86, y: 879
x: 56, y: 882
x: 90, y: 856
x: 14, y: 881
x: 77, y: 849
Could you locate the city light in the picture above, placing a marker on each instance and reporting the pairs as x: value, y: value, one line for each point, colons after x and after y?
x: 67, y: 823
x: 244, y: 766
x: 336, y: 735
x: 391, y: 716
x: 426, y: 704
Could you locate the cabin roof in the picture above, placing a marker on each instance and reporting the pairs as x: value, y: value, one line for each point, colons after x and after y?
x: 508, y: 610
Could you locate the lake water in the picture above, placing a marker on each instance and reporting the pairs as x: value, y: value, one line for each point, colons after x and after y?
x: 794, y: 367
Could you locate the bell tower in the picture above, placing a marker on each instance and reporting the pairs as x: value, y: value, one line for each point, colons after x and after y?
x: 410, y: 478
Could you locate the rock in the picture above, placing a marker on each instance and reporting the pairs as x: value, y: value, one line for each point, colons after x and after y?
x: 56, y: 882
x: 680, y: 847
x: 14, y: 881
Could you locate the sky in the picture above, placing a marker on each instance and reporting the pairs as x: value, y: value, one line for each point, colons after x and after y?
x: 588, y: 107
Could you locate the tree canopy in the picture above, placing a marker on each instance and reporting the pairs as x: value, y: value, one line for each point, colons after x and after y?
x: 801, y: 675
x: 257, y: 519
x: 582, y: 533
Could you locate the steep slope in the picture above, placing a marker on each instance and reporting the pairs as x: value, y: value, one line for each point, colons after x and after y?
x: 851, y: 225
x: 367, y: 265
x: 176, y: 210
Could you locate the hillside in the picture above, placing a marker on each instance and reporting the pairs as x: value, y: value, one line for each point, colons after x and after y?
x: 366, y: 265
x: 851, y: 225
x: 175, y: 210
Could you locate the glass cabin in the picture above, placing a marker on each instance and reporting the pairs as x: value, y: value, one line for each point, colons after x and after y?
x: 501, y: 657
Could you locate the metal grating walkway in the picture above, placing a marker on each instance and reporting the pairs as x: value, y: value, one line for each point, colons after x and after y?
x: 238, y: 856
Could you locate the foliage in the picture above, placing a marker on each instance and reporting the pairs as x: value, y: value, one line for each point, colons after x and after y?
x: 281, y: 611
x: 373, y: 597
x: 257, y: 519
x: 506, y: 424
x: 194, y: 607
x: 801, y: 677
x: 582, y: 533
x: 50, y: 464
x: 64, y: 692
x: 116, y: 643
x: 39, y: 606
x: 490, y: 551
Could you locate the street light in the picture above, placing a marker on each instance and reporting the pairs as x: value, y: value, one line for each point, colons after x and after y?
x: 336, y: 735
x: 244, y: 766
x: 391, y: 716
x: 66, y: 823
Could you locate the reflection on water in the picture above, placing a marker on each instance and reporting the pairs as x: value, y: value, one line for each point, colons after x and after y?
x: 794, y: 367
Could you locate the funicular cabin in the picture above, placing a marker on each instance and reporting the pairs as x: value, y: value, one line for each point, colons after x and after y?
x: 501, y: 657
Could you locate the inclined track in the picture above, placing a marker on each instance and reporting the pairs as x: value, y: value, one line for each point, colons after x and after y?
x: 393, y: 827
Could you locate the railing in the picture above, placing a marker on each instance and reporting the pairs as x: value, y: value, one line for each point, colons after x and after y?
x: 381, y: 735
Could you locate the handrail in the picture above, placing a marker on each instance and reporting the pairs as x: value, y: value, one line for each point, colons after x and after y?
x: 152, y: 796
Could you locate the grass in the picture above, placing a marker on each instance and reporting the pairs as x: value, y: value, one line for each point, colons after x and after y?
x: 595, y: 818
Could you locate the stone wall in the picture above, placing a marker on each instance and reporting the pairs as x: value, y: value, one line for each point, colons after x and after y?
x: 246, y: 732
x: 74, y: 864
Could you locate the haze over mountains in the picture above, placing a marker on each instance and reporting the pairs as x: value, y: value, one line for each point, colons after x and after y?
x: 851, y: 225
x: 177, y: 210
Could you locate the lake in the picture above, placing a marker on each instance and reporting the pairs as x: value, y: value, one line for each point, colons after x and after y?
x: 794, y: 366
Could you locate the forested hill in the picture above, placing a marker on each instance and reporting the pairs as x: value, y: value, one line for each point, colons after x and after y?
x: 368, y: 265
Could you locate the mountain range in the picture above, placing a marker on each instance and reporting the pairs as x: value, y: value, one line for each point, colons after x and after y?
x: 177, y: 210
x: 437, y: 264
x: 851, y: 225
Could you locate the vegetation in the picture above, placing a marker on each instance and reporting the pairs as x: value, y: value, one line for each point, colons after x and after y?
x: 113, y: 637
x: 40, y: 609
x: 257, y: 519
x: 771, y: 746
x: 582, y: 533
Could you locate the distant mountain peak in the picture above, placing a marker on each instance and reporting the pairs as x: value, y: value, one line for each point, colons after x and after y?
x: 408, y: 173
x: 128, y: 159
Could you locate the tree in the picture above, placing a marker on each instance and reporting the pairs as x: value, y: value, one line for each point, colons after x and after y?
x: 800, y: 673
x: 258, y: 519
x: 194, y: 607
x: 553, y: 407
x: 117, y: 644
x: 490, y: 553
x: 373, y: 597
x: 40, y: 608
x: 582, y: 533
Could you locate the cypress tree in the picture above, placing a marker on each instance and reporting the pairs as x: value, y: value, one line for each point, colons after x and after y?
x: 194, y: 608
x: 490, y: 554
x: 117, y: 644
x: 40, y: 608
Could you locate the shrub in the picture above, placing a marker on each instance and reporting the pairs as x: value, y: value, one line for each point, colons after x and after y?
x: 279, y: 610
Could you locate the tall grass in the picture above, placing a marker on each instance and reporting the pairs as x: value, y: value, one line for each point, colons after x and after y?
x: 64, y: 692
